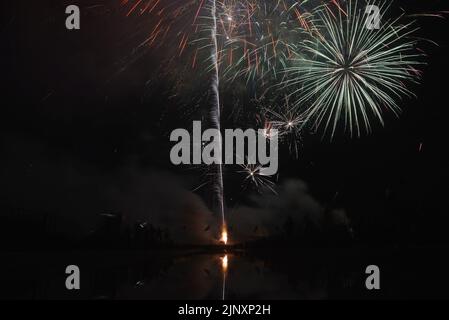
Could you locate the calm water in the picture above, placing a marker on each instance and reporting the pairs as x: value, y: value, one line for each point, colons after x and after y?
x: 314, y: 274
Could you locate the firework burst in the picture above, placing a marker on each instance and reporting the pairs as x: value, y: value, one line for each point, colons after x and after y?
x: 254, y: 176
x: 352, y: 73
x: 255, y: 39
x: 289, y: 123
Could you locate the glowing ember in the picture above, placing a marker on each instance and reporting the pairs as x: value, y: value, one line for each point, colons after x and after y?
x: 224, y: 236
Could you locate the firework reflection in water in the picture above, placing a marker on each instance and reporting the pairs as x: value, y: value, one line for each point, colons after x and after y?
x: 224, y: 267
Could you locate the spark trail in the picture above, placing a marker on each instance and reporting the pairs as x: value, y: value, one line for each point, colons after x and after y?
x: 215, y: 118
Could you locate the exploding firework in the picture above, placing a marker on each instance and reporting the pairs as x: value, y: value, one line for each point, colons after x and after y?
x: 255, y: 39
x: 289, y: 123
x: 352, y: 73
x: 255, y: 177
x: 319, y: 54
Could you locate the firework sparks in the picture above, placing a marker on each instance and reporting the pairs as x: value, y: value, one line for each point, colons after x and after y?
x: 255, y: 39
x: 354, y: 73
x: 254, y: 176
x: 288, y: 122
x: 318, y: 54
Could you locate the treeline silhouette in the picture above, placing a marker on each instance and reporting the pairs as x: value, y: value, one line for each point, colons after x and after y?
x: 33, y: 230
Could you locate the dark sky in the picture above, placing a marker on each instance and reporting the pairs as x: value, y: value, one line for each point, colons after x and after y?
x: 72, y: 119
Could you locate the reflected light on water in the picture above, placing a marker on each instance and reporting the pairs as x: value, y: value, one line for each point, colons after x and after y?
x: 224, y: 265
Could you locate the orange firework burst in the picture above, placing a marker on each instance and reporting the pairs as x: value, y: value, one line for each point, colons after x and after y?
x: 254, y: 38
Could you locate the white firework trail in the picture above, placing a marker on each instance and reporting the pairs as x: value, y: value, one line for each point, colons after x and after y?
x: 215, y: 112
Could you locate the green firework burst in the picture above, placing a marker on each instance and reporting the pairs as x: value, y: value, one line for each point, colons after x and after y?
x: 352, y: 74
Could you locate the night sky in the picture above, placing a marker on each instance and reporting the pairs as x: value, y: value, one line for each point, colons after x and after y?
x: 85, y: 130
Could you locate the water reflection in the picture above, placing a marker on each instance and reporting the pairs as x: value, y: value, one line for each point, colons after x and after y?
x: 215, y: 277
x: 187, y: 275
x: 224, y: 264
